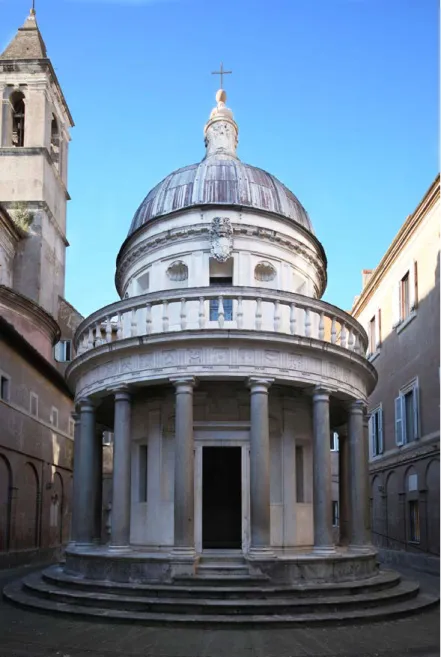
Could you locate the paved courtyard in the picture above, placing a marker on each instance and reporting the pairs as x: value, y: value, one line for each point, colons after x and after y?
x: 29, y: 634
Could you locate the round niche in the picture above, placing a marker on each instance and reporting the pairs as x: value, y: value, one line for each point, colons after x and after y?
x: 264, y: 271
x: 177, y: 271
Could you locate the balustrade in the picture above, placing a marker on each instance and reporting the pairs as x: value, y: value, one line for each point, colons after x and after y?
x: 234, y: 308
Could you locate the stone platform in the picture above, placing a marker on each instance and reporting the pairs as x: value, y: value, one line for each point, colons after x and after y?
x: 221, y: 599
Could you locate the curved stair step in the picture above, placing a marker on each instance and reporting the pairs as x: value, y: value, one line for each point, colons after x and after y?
x: 15, y: 593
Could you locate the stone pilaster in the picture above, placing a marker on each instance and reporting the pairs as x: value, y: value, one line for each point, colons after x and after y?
x: 184, y: 543
x: 343, y: 486
x: 260, y: 546
x: 322, y: 479
x: 122, y: 464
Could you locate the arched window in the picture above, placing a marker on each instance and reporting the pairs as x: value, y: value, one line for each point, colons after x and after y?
x: 55, y: 140
x: 18, y: 118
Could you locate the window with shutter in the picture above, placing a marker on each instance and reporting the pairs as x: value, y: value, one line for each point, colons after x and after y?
x: 399, y: 439
x: 380, y: 430
x: 408, y: 413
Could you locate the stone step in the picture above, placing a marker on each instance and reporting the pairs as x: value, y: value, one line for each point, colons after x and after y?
x: 199, y: 587
x: 15, y: 593
x: 35, y: 585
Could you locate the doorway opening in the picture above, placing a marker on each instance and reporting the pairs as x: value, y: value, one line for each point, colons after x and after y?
x: 221, y: 498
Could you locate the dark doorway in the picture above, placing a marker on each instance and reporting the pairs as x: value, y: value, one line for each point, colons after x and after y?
x: 221, y: 498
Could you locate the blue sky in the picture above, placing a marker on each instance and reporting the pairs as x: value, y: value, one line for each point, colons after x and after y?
x: 337, y: 98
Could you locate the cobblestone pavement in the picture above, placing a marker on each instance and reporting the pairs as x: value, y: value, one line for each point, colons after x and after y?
x: 30, y: 634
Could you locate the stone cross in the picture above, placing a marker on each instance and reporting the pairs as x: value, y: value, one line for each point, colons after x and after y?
x: 221, y: 73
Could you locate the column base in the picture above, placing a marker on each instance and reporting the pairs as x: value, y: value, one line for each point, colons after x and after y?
x: 261, y: 553
x: 183, y: 562
x: 323, y: 550
x: 118, y: 548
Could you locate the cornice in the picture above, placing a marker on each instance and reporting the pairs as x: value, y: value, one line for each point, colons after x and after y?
x: 190, y: 232
x: 403, y: 236
x: 17, y: 301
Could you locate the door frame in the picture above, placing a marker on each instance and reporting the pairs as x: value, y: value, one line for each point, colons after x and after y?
x: 222, y: 434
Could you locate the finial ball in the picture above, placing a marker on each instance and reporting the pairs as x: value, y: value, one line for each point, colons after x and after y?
x: 221, y: 96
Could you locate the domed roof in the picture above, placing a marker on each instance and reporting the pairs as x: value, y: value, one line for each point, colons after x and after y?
x: 220, y: 179
x: 220, y: 182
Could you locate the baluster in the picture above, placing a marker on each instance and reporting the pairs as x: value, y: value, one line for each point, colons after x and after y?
x: 165, y: 316
x: 307, y: 322
x: 201, y: 312
x: 84, y: 347
x: 133, y: 324
x: 90, y: 339
x: 277, y: 316
x: 119, y: 330
x: 239, y: 314
x: 322, y: 326
x: 258, y: 314
x: 183, y: 314
x: 148, y: 318
x: 108, y: 330
x: 334, y: 331
x: 351, y: 340
x: 292, y: 319
x: 98, y: 335
x: 79, y: 350
x: 343, y: 335
x: 220, y: 312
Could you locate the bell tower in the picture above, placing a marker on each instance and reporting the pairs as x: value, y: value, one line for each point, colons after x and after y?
x: 34, y: 138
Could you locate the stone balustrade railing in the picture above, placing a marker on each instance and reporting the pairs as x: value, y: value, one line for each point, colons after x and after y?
x: 232, y: 308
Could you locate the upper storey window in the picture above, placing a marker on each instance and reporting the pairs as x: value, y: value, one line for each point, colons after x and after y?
x: 18, y: 118
x: 55, y: 140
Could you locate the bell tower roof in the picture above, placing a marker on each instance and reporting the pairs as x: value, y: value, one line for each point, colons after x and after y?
x: 27, y: 43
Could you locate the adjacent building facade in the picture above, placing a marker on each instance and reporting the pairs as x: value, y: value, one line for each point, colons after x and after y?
x: 36, y: 322
x: 399, y: 307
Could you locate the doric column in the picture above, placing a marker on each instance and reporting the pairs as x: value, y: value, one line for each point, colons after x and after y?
x: 322, y: 481
x: 358, y: 478
x: 343, y: 486
x: 85, y: 486
x: 184, y: 468
x: 97, y: 483
x: 122, y: 464
x: 260, y: 468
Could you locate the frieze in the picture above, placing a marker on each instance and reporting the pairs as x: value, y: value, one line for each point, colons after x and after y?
x: 162, y: 363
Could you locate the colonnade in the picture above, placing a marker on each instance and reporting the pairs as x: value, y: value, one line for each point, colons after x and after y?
x: 353, y: 461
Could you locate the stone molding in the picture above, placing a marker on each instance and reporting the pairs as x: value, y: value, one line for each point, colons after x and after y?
x: 210, y: 354
x: 31, y: 310
x: 186, y: 233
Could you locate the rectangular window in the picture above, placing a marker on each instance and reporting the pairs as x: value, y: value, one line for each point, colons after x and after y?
x: 4, y: 387
x: 63, y: 351
x: 414, y: 521
x: 335, y: 518
x: 300, y: 491
x: 376, y: 431
x: 225, y: 281
x: 142, y: 473
x: 372, y: 336
x: 407, y: 414
x: 54, y: 417
x: 404, y: 297
x: 34, y: 404
x: 334, y: 441
x: 415, y: 282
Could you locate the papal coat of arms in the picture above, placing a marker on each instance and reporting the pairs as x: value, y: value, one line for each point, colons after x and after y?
x: 221, y: 238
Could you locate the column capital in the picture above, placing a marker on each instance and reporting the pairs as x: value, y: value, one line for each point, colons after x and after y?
x: 357, y: 406
x: 259, y: 384
x: 86, y: 405
x: 182, y: 383
x: 76, y: 416
x: 320, y: 393
x: 121, y: 392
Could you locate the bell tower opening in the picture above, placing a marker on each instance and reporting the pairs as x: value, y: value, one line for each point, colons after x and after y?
x: 18, y: 118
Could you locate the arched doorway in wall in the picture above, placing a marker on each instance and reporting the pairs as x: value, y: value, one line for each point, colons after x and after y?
x: 412, y: 511
x: 27, y: 508
x: 394, y: 532
x: 432, y: 486
x: 5, y: 503
x: 378, y: 512
x: 56, y: 510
